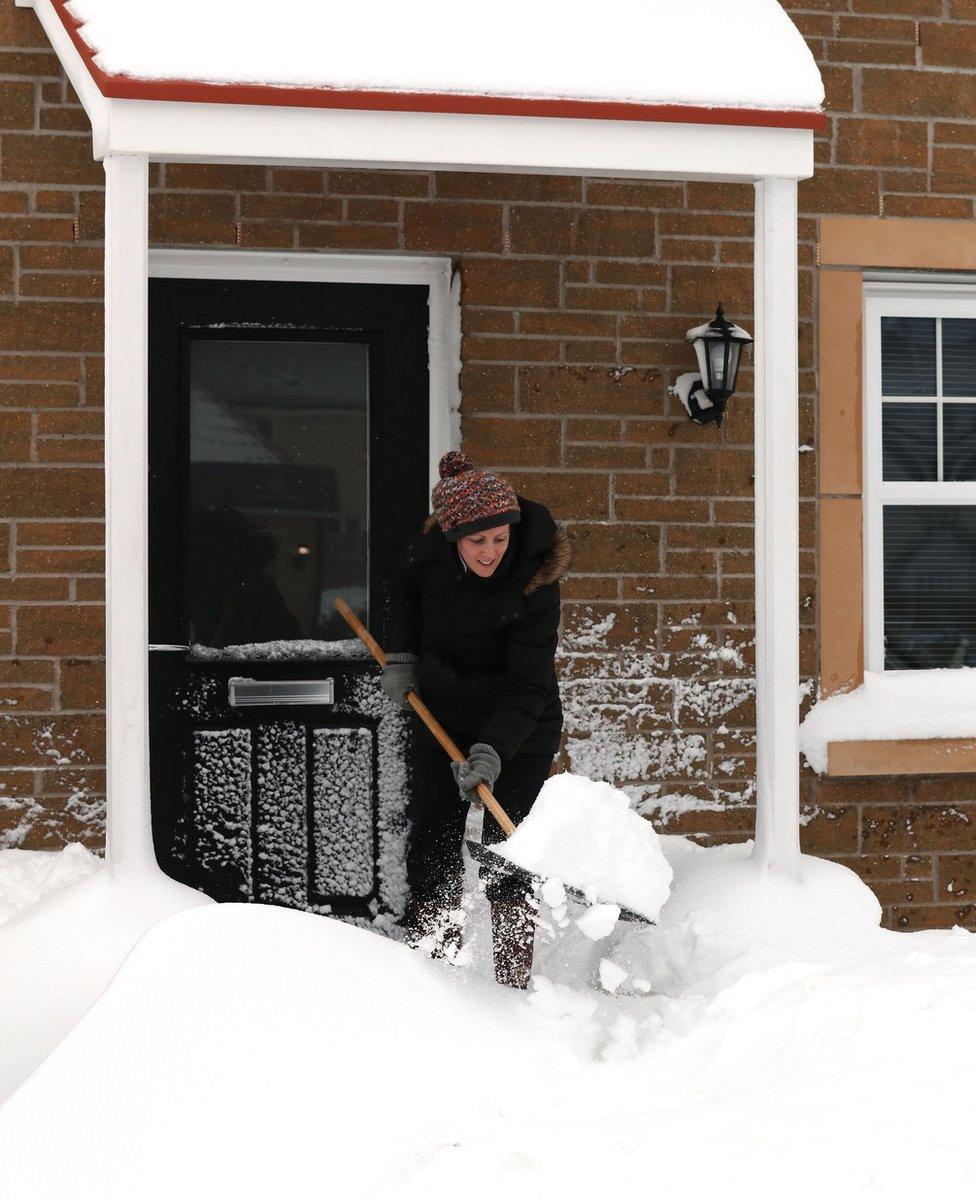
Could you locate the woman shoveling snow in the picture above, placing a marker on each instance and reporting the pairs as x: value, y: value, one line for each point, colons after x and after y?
x: 474, y: 632
x: 479, y: 615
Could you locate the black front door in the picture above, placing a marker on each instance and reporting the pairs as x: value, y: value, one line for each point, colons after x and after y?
x: 288, y: 466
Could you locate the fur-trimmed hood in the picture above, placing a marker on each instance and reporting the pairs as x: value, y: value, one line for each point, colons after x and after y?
x: 545, y: 550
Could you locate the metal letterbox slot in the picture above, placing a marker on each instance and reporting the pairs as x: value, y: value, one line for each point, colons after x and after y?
x: 243, y: 693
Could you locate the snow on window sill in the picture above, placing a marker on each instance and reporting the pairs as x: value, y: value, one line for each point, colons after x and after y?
x: 896, y: 722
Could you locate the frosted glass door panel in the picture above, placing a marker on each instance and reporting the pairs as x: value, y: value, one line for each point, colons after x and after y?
x: 278, y: 488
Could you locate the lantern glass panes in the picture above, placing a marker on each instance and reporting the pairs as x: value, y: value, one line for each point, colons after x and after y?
x: 718, y: 347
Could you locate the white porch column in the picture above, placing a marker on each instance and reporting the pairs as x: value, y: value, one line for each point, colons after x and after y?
x: 777, y: 535
x: 129, y: 836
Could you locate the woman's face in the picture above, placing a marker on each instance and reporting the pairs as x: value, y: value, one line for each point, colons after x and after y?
x: 482, y: 552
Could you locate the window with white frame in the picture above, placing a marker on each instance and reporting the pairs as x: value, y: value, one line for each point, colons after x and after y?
x: 920, y: 475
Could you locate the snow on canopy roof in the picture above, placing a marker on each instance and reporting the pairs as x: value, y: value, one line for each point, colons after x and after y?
x: 635, y: 59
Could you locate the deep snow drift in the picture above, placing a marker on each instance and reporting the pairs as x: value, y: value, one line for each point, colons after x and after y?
x: 786, y: 1045
x: 27, y: 875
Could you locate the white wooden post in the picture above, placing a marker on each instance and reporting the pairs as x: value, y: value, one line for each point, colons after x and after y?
x: 129, y: 834
x: 777, y: 533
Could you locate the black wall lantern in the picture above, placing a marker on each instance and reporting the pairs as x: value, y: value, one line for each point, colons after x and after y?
x: 718, y: 346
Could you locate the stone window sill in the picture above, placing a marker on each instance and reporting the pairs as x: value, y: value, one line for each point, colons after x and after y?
x: 902, y: 756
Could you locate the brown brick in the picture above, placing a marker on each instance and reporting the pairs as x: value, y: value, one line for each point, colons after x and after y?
x: 446, y: 225
x: 652, y: 508
x: 60, y: 562
x: 16, y: 106
x: 61, y: 258
x: 839, y: 88
x: 928, y: 207
x: 569, y: 324
x: 60, y: 201
x: 193, y: 218
x: 888, y: 29
x: 15, y: 436
x: 277, y: 207
x: 698, y: 289
x: 510, y: 282
x: 50, y: 325
x: 348, y: 237
x: 83, y: 684
x: 948, y: 45
x: 378, y: 183
x: 582, y: 495
x: 475, y: 185
x: 46, y: 492
x: 30, y: 741
x: 58, y: 286
x: 64, y: 118
x: 267, y: 235
x: 956, y: 878
x: 49, y: 158
x: 953, y: 133
x: 909, y: 828
x: 909, y: 917
x: 488, y: 388
x: 73, y: 629
x: 634, y: 193
x: 615, y: 547
x: 891, y: 53
x: 69, y: 450
x: 883, y: 143
x: 584, y: 390
x: 515, y: 349
x: 225, y: 177
x: 512, y: 441
x: 917, y: 93
x: 581, y: 231
x: 829, y: 830
x: 904, y: 891
x: 953, y: 169
x: 20, y: 27
x: 60, y: 533
x: 708, y: 472
x: 640, y: 274
x: 387, y: 211
x: 840, y: 190
x: 607, y: 458
x: 30, y: 588
x: 309, y: 180
x: 19, y: 62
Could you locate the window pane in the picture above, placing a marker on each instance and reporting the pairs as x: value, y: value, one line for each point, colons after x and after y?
x: 958, y: 357
x: 909, y: 441
x: 907, y: 356
x: 959, y: 441
x: 929, y: 586
x: 277, y: 509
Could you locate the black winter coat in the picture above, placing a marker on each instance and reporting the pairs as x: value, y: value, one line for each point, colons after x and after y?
x: 487, y: 646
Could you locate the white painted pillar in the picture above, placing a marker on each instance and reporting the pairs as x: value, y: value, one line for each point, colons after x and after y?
x: 777, y: 533
x: 129, y: 834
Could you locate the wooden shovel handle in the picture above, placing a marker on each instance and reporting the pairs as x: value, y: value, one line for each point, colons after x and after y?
x: 423, y: 712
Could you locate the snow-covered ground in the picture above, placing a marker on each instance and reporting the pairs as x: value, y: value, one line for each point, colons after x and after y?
x: 787, y: 1046
x: 27, y: 875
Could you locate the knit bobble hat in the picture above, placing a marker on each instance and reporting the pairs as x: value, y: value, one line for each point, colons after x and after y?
x: 467, y: 500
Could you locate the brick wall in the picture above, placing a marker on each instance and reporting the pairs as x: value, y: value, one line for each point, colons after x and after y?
x: 576, y: 297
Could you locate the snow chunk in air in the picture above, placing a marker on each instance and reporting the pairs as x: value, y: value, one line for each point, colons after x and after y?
x: 586, y: 834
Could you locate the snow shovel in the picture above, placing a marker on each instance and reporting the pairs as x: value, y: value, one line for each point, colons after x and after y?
x: 479, y: 852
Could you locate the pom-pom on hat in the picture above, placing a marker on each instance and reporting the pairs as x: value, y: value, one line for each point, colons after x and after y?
x: 467, y: 500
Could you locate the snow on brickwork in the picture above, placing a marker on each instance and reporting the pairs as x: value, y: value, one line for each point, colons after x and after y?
x: 742, y: 53
x: 222, y: 798
x: 642, y: 718
x: 342, y: 791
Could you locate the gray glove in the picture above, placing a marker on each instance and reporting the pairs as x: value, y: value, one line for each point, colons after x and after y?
x: 482, y: 766
x: 400, y: 675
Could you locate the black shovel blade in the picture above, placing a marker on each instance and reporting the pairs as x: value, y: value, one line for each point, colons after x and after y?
x: 500, y: 867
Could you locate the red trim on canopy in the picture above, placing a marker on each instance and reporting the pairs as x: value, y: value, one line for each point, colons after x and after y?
x: 123, y: 87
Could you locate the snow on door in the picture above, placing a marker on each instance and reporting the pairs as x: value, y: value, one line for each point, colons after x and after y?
x: 288, y: 467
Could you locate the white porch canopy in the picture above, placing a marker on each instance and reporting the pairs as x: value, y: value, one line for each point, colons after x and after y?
x: 667, y: 89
